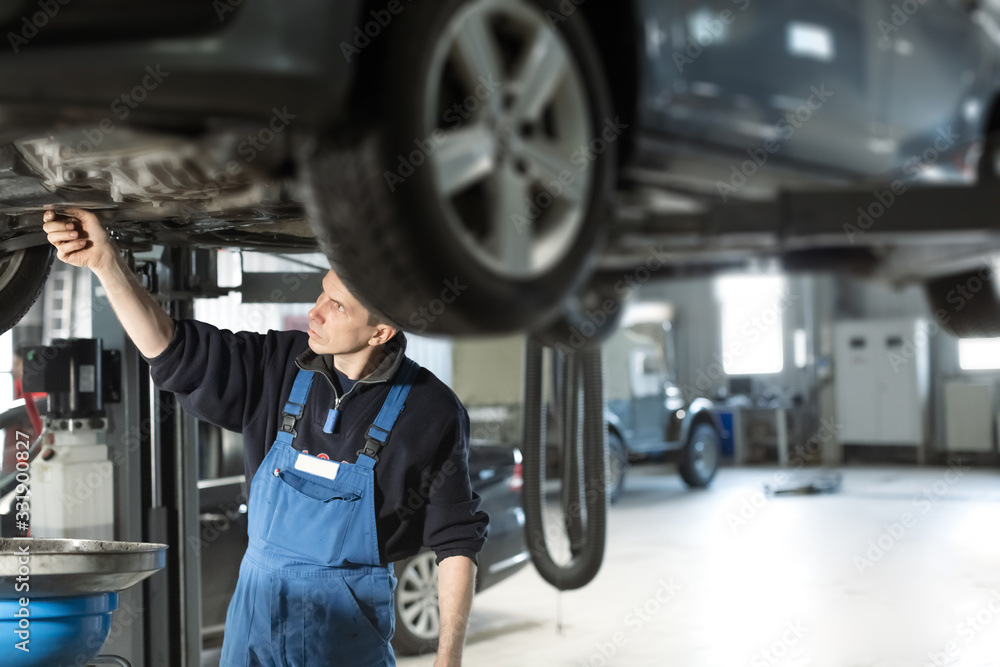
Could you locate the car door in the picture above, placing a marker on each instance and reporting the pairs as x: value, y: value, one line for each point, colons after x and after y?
x: 940, y: 88
x: 797, y: 79
x: 647, y: 375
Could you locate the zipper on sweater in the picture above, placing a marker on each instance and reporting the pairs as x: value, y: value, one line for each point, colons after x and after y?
x: 333, y: 415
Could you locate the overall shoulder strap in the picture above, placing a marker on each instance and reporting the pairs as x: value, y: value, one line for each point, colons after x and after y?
x: 295, y: 405
x: 378, y: 432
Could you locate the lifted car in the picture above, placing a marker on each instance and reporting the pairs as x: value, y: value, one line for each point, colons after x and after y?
x: 504, y: 149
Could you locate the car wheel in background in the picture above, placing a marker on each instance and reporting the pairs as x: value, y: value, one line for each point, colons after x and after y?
x: 617, y: 467
x: 700, y: 456
x: 22, y: 278
x: 418, y: 618
x: 989, y: 160
x: 473, y: 199
x: 966, y: 304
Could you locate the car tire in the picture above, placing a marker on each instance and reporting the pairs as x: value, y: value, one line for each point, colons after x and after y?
x: 700, y: 456
x: 988, y: 168
x: 442, y: 245
x: 974, y: 314
x: 22, y: 278
x: 418, y: 618
x: 617, y: 467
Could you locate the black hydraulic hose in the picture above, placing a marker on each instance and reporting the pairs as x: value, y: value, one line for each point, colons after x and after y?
x: 572, y: 483
x: 583, y: 567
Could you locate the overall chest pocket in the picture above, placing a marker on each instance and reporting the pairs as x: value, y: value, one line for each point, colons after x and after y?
x: 309, y: 516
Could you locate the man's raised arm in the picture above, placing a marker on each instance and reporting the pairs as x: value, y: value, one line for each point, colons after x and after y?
x: 80, y: 240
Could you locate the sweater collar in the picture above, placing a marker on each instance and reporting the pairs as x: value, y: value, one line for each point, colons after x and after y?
x: 323, y: 363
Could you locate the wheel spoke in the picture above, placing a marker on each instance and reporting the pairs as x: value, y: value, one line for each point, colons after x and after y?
x: 553, y: 164
x: 464, y: 156
x: 477, y: 56
x: 432, y: 625
x: 424, y: 568
x: 539, y: 76
x: 407, y: 597
x: 411, y: 579
x: 412, y: 614
x: 511, y: 227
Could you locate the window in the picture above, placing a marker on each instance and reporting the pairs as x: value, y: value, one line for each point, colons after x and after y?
x: 801, y: 348
x: 751, y: 307
x: 979, y: 354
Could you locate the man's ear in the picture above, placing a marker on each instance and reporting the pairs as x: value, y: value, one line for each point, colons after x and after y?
x: 383, y: 334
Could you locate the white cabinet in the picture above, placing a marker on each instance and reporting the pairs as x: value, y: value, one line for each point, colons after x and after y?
x: 968, y: 416
x: 881, y: 378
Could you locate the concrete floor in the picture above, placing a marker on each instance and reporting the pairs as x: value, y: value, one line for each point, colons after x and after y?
x: 901, y: 568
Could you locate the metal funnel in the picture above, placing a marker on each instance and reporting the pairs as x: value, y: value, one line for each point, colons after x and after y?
x: 64, y: 567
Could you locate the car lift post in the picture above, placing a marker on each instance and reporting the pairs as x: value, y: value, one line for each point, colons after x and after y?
x: 155, y: 447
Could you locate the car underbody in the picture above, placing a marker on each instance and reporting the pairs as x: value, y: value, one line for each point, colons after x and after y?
x: 157, y: 188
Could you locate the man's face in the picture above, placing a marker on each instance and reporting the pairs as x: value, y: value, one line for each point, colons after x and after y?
x: 338, y: 323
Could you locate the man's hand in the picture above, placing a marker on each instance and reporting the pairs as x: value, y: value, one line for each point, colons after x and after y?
x: 82, y: 241
x: 79, y: 238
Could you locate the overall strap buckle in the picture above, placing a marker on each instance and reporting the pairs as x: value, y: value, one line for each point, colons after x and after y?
x: 296, y: 402
x: 372, y: 448
x: 288, y: 423
x: 378, y: 432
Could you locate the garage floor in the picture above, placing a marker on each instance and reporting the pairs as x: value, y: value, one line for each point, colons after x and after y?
x: 901, y: 568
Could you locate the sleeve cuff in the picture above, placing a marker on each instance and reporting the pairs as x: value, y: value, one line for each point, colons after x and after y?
x: 168, y: 351
x: 469, y: 553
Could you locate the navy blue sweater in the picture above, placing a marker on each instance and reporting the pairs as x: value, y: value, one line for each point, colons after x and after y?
x: 241, y: 382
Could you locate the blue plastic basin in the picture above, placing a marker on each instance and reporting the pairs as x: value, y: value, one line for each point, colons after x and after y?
x: 61, y: 632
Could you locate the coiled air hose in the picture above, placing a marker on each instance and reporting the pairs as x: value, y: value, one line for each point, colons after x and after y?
x: 586, y: 557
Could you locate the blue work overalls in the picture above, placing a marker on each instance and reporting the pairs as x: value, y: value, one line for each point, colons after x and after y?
x: 311, y: 591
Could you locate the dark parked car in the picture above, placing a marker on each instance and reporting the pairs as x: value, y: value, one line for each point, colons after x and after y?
x: 480, y: 151
x: 496, y: 476
x: 495, y: 471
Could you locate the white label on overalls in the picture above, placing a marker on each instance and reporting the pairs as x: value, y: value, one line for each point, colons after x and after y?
x: 316, y: 466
